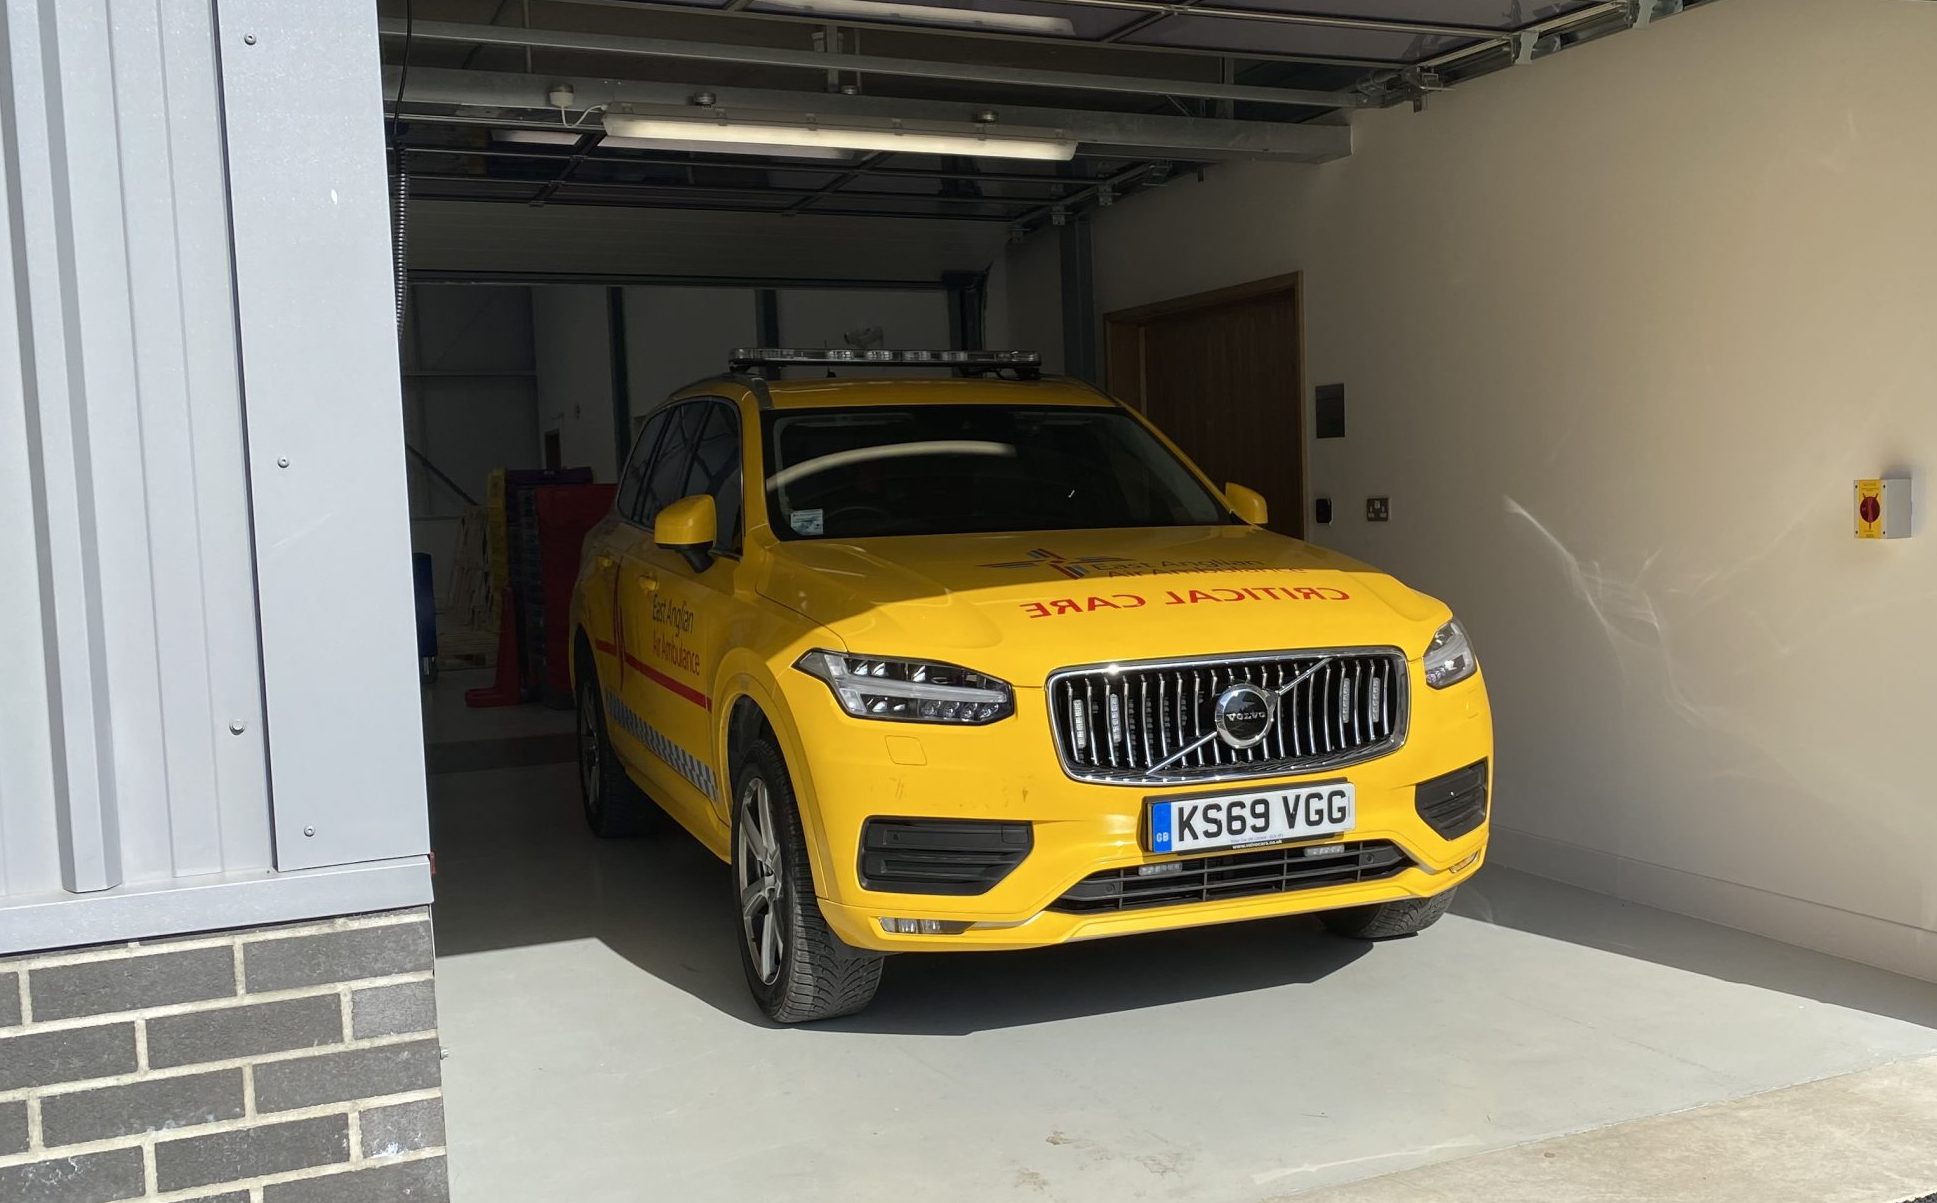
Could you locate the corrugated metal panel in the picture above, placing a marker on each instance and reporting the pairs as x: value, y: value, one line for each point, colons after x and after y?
x: 309, y: 203
x: 161, y: 267
x: 129, y: 651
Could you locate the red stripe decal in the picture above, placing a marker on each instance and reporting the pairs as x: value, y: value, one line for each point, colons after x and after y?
x: 679, y: 687
x: 605, y: 645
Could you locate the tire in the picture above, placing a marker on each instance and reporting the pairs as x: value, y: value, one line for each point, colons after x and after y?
x: 615, y: 807
x: 1385, y: 920
x: 798, y: 969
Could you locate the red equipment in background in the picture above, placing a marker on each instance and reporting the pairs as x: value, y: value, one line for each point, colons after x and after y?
x: 546, y: 520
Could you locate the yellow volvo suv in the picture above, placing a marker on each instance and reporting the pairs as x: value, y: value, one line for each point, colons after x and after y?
x: 984, y: 662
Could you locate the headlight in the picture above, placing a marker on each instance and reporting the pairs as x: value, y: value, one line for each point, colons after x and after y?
x: 1449, y: 658
x: 911, y: 691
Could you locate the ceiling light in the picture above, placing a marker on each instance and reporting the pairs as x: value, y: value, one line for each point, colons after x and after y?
x: 562, y: 138
x: 924, y: 14
x: 774, y: 137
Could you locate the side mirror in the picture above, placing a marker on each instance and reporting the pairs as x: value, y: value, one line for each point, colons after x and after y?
x: 1247, y: 504
x: 689, y: 526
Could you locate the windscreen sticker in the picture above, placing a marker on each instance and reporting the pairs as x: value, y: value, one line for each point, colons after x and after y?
x: 807, y: 522
x: 1095, y: 602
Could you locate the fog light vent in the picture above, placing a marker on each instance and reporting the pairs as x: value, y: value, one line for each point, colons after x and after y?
x: 940, y: 856
x: 1454, y: 803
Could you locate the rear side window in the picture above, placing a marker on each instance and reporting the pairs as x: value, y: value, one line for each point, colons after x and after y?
x: 716, y: 470
x: 667, y: 477
x: 633, y: 480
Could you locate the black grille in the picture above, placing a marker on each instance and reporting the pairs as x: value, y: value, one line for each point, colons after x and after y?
x: 1233, y: 875
x: 1455, y: 803
x: 940, y: 856
x: 1153, y: 723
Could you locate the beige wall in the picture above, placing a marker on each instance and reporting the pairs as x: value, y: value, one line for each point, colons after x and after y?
x: 1618, y: 329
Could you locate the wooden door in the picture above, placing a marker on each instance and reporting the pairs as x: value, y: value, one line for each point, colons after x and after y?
x: 1222, y: 375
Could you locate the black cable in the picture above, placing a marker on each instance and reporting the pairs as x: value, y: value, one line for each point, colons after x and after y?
x: 400, y: 189
x: 403, y: 77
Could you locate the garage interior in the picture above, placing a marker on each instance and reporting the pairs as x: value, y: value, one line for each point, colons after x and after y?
x: 1607, y: 337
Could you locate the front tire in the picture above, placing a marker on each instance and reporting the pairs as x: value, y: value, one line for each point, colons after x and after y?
x: 798, y: 969
x: 1386, y: 920
x: 614, y: 806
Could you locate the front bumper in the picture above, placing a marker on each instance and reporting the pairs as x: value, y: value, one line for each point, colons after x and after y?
x: 856, y: 769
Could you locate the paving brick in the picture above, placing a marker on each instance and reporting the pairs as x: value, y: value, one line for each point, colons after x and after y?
x: 93, y: 1178
x: 153, y: 1106
x: 250, y: 1152
x: 337, y: 956
x: 132, y: 982
x: 232, y: 1196
x: 354, y: 1074
x: 13, y: 1128
x: 403, y: 1128
x: 393, y: 1010
x: 71, y: 1055
x: 425, y: 1181
x: 245, y: 1031
x: 9, y: 999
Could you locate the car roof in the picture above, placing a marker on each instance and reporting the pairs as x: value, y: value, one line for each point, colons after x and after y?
x: 840, y: 392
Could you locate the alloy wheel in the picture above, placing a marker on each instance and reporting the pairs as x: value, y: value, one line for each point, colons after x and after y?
x: 758, y: 877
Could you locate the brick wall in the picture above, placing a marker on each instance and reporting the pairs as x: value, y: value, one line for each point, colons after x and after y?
x: 292, y: 1064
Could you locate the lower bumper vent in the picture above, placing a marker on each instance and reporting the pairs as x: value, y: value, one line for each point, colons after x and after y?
x: 940, y: 856
x: 1455, y: 803
x: 1232, y: 875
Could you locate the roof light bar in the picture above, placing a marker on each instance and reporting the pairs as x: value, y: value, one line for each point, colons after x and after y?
x: 761, y: 357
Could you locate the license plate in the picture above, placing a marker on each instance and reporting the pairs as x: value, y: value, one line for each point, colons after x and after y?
x: 1239, y: 820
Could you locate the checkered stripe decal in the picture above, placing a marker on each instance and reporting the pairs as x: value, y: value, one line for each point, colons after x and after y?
x: 661, y: 745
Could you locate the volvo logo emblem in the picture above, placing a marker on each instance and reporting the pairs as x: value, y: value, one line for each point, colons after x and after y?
x: 1243, y: 714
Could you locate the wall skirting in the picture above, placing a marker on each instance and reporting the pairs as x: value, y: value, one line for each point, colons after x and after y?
x: 1896, y: 947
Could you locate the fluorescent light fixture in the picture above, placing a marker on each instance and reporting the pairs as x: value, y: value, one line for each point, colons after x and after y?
x: 901, y: 141
x: 544, y: 137
x: 925, y: 14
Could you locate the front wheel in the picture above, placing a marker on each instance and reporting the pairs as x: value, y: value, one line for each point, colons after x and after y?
x: 1384, y: 920
x: 797, y: 968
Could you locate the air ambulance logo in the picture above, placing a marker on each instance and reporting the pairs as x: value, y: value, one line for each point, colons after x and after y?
x: 1075, y: 568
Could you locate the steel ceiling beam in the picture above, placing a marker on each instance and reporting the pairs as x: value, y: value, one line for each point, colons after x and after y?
x: 1173, y: 8
x: 869, y: 64
x: 1534, y: 29
x: 809, y: 167
x: 1137, y: 48
x: 484, y: 98
x: 646, y: 201
x: 778, y: 192
x: 1116, y: 183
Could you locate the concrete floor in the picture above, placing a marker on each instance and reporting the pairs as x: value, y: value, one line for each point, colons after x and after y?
x: 602, y: 1046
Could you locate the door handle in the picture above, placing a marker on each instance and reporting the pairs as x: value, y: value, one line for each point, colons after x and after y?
x: 606, y: 563
x: 648, y: 583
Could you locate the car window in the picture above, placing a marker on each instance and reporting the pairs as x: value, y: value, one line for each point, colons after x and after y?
x: 716, y: 470
x: 928, y: 470
x: 632, y: 480
x: 667, y: 477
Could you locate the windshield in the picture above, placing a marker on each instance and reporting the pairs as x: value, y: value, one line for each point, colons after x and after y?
x: 963, y: 469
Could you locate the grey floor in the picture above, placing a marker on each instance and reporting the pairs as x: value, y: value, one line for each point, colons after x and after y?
x: 602, y: 1047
